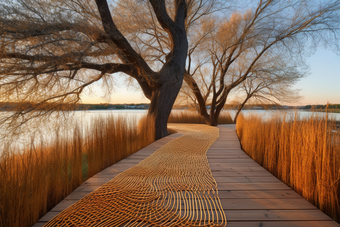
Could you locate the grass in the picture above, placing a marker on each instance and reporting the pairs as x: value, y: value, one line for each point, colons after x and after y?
x: 195, y: 118
x: 34, y: 180
x: 304, y: 154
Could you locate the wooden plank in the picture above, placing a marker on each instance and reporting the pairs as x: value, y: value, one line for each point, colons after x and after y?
x: 276, y: 215
x: 97, y: 180
x: 231, y: 160
x: 39, y: 224
x: 228, y: 156
x: 224, y: 150
x: 87, y: 188
x: 48, y: 216
x: 226, y: 143
x: 102, y: 175
x: 138, y: 155
x: 267, y: 204
x: 226, y: 174
x: 63, y: 205
x: 226, y: 146
x: 263, y: 194
x: 229, y: 137
x: 117, y: 168
x: 236, y: 169
x: 76, y: 195
x: 222, y: 166
x: 252, y: 186
x: 132, y: 161
x: 231, y: 164
x: 247, y: 179
x: 283, y: 224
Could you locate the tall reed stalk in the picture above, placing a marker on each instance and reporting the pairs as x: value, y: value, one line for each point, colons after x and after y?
x: 304, y: 154
x: 34, y: 180
x: 195, y: 118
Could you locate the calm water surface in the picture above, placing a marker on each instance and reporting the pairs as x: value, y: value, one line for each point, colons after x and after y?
x: 85, y: 119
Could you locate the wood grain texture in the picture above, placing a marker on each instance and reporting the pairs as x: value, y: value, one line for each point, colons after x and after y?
x: 253, y: 197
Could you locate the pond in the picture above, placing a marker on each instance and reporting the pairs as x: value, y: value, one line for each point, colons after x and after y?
x: 84, y: 119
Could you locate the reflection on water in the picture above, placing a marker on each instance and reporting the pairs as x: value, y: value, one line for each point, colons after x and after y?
x: 84, y: 118
x: 46, y: 130
x: 64, y: 123
x: 290, y: 114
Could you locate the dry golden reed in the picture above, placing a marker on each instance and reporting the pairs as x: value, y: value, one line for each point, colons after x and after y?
x: 304, y: 154
x: 195, y: 118
x: 33, y: 182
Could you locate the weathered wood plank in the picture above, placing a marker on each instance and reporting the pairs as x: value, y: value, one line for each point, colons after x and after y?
x: 39, y: 224
x: 231, y: 160
x: 267, y: 204
x: 283, y: 224
x: 247, y: 179
x: 87, y: 188
x: 263, y: 194
x: 107, y: 175
x: 228, y: 156
x: 252, y: 186
x: 236, y: 169
x: 224, y: 151
x: 227, y: 174
x: 131, y: 161
x: 48, y: 216
x: 97, y: 180
x: 63, y: 205
x: 232, y: 164
x: 276, y: 215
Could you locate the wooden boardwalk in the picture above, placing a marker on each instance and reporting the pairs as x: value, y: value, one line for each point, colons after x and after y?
x: 250, y: 195
x: 104, y: 176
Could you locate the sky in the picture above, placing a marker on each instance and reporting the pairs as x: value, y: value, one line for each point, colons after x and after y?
x: 321, y: 86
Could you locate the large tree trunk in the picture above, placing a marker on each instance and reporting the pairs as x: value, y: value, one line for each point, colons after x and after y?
x: 161, y: 104
x: 170, y: 78
x: 170, y: 81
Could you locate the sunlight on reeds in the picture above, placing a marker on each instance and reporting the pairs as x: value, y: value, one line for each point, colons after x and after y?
x: 192, y: 117
x: 304, y: 154
x: 33, y: 182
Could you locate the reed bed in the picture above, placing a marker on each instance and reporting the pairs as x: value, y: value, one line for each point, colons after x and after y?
x: 192, y: 117
x: 34, y: 180
x: 304, y: 154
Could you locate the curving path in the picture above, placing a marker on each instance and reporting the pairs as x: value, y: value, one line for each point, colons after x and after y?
x: 172, y: 187
x: 249, y: 195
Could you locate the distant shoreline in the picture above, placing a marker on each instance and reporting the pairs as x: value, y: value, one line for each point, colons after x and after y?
x: 12, y: 106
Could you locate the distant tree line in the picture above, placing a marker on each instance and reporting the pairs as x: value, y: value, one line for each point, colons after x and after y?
x: 322, y: 107
x: 14, y: 106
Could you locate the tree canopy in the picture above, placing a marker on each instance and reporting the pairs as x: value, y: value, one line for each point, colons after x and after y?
x: 52, y: 50
x: 241, y: 44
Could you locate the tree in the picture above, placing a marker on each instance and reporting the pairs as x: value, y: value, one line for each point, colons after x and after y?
x: 269, y: 82
x: 52, y: 50
x: 271, y: 85
x: 242, y: 40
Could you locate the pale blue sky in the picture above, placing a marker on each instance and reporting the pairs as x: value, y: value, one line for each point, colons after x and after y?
x: 323, y: 83
x: 320, y: 87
